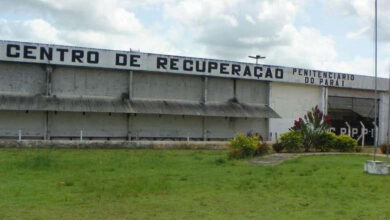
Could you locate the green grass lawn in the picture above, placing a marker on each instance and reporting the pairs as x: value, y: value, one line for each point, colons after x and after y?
x: 185, y: 184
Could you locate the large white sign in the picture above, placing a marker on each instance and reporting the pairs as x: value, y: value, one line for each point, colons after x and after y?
x: 130, y: 60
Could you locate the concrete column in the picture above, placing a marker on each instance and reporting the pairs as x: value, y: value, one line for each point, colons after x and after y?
x: 130, y: 98
x: 49, y: 71
x: 47, y: 131
x: 235, y: 89
x: 204, y: 101
x: 204, y: 132
x: 130, y: 85
x: 205, y: 85
x: 128, y: 128
x: 383, y: 118
x: 324, y: 101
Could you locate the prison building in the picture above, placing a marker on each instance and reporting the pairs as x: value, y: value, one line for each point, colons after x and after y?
x: 59, y: 92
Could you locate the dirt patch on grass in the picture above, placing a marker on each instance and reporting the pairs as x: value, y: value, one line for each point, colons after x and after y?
x: 272, y: 159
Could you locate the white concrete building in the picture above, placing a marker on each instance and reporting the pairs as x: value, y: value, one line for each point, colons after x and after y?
x: 57, y: 92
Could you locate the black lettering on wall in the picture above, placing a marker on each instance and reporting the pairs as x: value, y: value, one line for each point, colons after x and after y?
x: 212, y: 66
x: 199, y: 68
x: 134, y: 60
x: 77, y: 55
x: 258, y: 71
x: 120, y: 59
x: 162, y: 62
x: 268, y: 73
x: 236, y: 69
x: 28, y: 51
x: 279, y: 73
x: 188, y: 65
x: 247, y: 71
x: 46, y: 53
x: 13, y: 50
x: 92, y: 57
x: 223, y: 68
x: 173, y: 64
x: 62, y: 53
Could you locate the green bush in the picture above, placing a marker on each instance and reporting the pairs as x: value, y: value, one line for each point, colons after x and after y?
x: 263, y: 148
x: 345, y: 143
x: 243, y: 146
x: 292, y: 141
x: 325, y: 141
x: 278, y: 147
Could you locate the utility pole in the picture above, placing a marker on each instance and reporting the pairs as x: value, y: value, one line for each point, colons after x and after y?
x: 376, y: 78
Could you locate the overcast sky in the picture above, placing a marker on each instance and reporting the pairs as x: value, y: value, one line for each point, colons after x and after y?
x: 334, y: 35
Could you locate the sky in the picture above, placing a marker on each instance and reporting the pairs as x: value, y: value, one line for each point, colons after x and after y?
x: 328, y: 35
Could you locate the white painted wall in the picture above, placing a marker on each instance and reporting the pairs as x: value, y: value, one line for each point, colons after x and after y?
x: 291, y: 101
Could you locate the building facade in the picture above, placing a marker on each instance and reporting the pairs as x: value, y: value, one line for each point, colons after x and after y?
x: 61, y: 92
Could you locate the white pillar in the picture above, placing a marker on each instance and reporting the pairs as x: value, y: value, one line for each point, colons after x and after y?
x: 383, y: 117
x: 324, y: 100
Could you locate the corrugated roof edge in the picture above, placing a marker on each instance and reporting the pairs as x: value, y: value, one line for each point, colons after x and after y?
x: 163, y: 107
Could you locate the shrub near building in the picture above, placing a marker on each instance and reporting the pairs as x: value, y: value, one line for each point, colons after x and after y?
x: 345, y: 143
x: 292, y: 141
x: 310, y: 133
x: 247, y: 146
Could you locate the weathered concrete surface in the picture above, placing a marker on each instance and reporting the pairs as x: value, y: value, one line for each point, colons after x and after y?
x: 27, y: 79
x: 198, y: 145
x: 64, y: 101
x: 89, y: 82
x: 155, y: 86
x: 376, y: 167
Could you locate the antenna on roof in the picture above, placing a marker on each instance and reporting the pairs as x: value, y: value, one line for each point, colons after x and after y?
x: 257, y: 57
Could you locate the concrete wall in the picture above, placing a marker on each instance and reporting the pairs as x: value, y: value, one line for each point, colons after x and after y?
x: 77, y: 82
x: 22, y: 78
x: 246, y: 91
x: 229, y: 127
x: 165, y: 126
x: 254, y: 126
x: 167, y: 87
x: 69, y: 124
x: 254, y: 92
x: 291, y: 101
x: 31, y: 124
x: 220, y: 89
